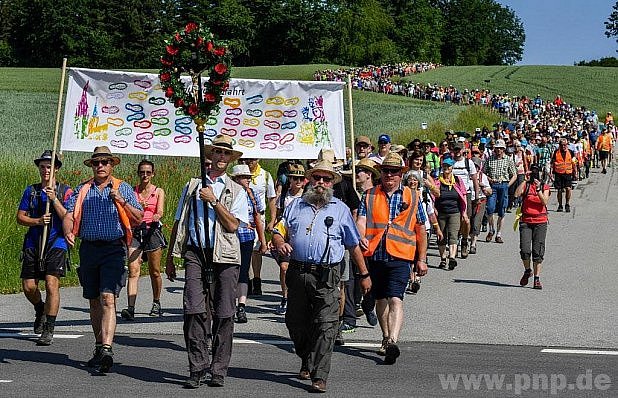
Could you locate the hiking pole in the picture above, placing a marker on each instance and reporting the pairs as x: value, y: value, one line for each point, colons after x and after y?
x: 352, y: 132
x: 53, y: 156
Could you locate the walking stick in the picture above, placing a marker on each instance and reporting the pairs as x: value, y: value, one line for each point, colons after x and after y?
x: 351, y: 112
x: 53, y: 157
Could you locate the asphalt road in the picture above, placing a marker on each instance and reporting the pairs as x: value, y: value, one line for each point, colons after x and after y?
x: 478, y: 318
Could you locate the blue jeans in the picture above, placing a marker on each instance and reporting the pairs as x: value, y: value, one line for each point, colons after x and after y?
x: 497, y: 202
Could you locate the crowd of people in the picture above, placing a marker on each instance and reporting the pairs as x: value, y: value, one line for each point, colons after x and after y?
x: 350, y: 236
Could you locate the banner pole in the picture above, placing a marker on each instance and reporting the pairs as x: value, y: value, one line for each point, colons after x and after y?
x: 351, y: 111
x: 52, y: 173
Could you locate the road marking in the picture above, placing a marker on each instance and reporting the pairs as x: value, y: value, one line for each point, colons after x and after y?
x: 356, y: 344
x: 582, y: 352
x: 29, y: 335
x: 6, y: 381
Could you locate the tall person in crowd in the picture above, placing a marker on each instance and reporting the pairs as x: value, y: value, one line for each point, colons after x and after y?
x: 604, y: 147
x: 101, y: 212
x: 148, y: 240
x: 264, y: 187
x: 51, y: 265
x: 392, y: 250
x: 314, y: 232
x: 210, y: 247
x: 565, y: 172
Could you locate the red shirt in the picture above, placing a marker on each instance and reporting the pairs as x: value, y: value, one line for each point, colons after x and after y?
x: 532, y: 209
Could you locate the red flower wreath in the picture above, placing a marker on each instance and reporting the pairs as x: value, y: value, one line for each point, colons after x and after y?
x: 194, y: 50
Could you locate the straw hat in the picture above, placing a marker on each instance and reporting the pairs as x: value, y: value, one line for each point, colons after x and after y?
x: 393, y: 160
x: 47, y: 155
x: 102, y: 152
x: 296, y: 170
x: 326, y: 166
x: 222, y: 142
x: 240, y: 170
x: 368, y: 165
x: 329, y: 155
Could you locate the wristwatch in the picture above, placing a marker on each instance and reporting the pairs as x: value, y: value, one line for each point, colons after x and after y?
x: 216, y: 202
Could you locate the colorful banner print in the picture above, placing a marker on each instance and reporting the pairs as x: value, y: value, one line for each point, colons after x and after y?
x: 266, y: 119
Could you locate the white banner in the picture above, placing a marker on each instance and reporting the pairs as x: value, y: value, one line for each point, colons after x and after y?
x: 267, y: 119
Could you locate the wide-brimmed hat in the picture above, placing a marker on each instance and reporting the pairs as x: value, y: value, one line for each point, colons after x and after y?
x: 397, y: 148
x: 222, y: 142
x: 329, y: 155
x: 393, y: 160
x: 500, y: 144
x: 296, y: 170
x: 102, y: 152
x: 363, y: 139
x: 47, y: 155
x: 326, y: 166
x: 240, y: 170
x: 368, y: 165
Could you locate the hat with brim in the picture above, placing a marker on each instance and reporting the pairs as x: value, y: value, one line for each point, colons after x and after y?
x: 368, y: 165
x: 296, y: 170
x: 47, y: 155
x: 240, y: 170
x: 329, y: 155
x: 393, y: 160
x: 100, y: 153
x: 325, y: 166
x: 223, y: 142
x: 500, y: 144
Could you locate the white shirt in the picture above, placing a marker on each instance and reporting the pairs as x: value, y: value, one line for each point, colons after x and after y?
x: 263, y: 186
x: 460, y: 170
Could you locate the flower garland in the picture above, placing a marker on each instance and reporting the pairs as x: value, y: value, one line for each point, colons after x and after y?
x: 194, y: 50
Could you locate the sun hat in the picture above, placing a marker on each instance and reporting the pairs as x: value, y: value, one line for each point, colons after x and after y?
x: 102, y: 152
x: 296, y: 170
x: 393, y: 160
x: 326, y: 166
x: 329, y: 155
x: 368, y: 165
x: 500, y: 144
x: 222, y: 142
x: 398, y: 148
x: 47, y: 155
x: 240, y: 170
x: 448, y: 161
x: 363, y: 139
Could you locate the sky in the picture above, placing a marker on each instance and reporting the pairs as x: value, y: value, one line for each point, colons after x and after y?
x: 563, y: 32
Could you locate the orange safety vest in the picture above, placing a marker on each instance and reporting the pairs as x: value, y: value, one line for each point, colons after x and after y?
x: 122, y: 214
x: 604, y: 142
x: 400, y: 235
x: 563, y: 165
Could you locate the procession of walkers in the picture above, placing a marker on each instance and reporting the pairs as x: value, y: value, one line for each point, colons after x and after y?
x: 350, y: 237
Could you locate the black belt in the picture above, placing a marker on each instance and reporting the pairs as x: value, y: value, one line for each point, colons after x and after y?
x: 311, y: 267
x: 114, y: 242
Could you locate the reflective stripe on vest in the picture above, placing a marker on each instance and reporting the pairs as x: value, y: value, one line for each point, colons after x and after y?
x: 122, y: 214
x: 400, y: 234
x: 563, y: 165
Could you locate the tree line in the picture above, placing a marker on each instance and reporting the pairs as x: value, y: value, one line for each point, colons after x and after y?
x: 130, y: 33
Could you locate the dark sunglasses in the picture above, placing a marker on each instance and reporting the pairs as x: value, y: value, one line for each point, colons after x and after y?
x: 221, y: 151
x: 388, y: 170
x: 297, y: 178
x: 96, y: 163
x: 147, y: 172
x: 322, y: 178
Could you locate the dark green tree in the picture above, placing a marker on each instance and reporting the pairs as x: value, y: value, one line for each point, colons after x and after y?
x: 611, y: 25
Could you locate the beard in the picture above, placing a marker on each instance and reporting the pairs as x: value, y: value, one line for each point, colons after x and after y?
x: 318, y: 196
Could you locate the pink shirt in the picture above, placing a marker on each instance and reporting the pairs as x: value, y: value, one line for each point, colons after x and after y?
x: 149, y: 205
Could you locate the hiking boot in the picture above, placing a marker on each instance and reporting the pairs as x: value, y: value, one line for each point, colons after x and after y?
x: 39, y: 322
x: 96, y: 357
x: 560, y: 208
x: 489, y: 237
x: 392, y: 352
x: 339, y: 338
x: 241, y: 315
x: 107, y: 359
x: 567, y: 208
x: 216, y: 381
x: 257, y: 286
x: 128, y: 314
x: 156, y: 310
x: 472, y: 249
x: 359, y: 311
x: 47, y: 337
x: 283, y: 307
x: 537, y: 284
x: 452, y: 263
x: 382, y: 349
x: 196, y: 379
x: 524, y: 279
x: 464, y: 249
x: 442, y: 263
x: 347, y: 328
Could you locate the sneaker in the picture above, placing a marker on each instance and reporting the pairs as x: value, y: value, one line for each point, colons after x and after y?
x: 567, y: 208
x: 347, y: 328
x: 39, y: 321
x: 604, y: 171
x: 415, y: 286
x: 499, y: 239
x: 128, y: 314
x: 483, y: 228
x: 372, y: 318
x: 392, y: 352
x: 107, y: 359
x: 339, y: 338
x: 241, y: 315
x: 156, y: 310
x: 196, y: 379
x: 359, y: 311
x: 442, y: 263
x: 96, y: 357
x: 524, y: 279
x: 452, y: 263
x: 216, y: 381
x: 472, y: 249
x: 537, y: 284
x: 559, y: 210
x: 382, y: 349
x: 47, y: 337
x: 283, y: 307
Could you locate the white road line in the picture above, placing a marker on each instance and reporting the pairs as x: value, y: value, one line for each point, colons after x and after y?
x: 6, y: 381
x: 356, y: 344
x: 581, y: 352
x: 29, y: 335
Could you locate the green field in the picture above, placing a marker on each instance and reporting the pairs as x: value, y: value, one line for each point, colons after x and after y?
x: 28, y: 101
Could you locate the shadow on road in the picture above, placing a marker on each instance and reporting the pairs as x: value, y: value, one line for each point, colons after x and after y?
x: 487, y: 283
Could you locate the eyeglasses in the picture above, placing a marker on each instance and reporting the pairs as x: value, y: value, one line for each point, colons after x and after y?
x: 321, y: 178
x: 445, y: 144
x: 362, y: 145
x: 388, y: 170
x: 297, y: 178
x: 221, y: 151
x: 96, y: 163
x: 146, y: 172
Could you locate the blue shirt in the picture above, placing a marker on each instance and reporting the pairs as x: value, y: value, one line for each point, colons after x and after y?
x: 304, y: 229
x: 100, y: 219
x: 239, y: 210
x: 34, y: 205
x: 394, y: 206
x: 246, y: 232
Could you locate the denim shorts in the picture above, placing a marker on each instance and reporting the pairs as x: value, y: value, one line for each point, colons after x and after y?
x: 389, y: 278
x: 102, y: 267
x: 497, y: 201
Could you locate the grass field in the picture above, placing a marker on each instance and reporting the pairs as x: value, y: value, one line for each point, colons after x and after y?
x: 28, y: 100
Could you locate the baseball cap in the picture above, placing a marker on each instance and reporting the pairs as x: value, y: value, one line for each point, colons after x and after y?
x: 384, y: 138
x: 448, y: 161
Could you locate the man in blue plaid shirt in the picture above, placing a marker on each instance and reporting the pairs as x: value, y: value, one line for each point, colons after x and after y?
x: 390, y: 244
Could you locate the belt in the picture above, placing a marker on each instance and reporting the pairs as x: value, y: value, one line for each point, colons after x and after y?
x: 99, y: 242
x: 311, y: 267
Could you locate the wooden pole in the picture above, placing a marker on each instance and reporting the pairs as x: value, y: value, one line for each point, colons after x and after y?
x: 351, y: 111
x: 53, y: 155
